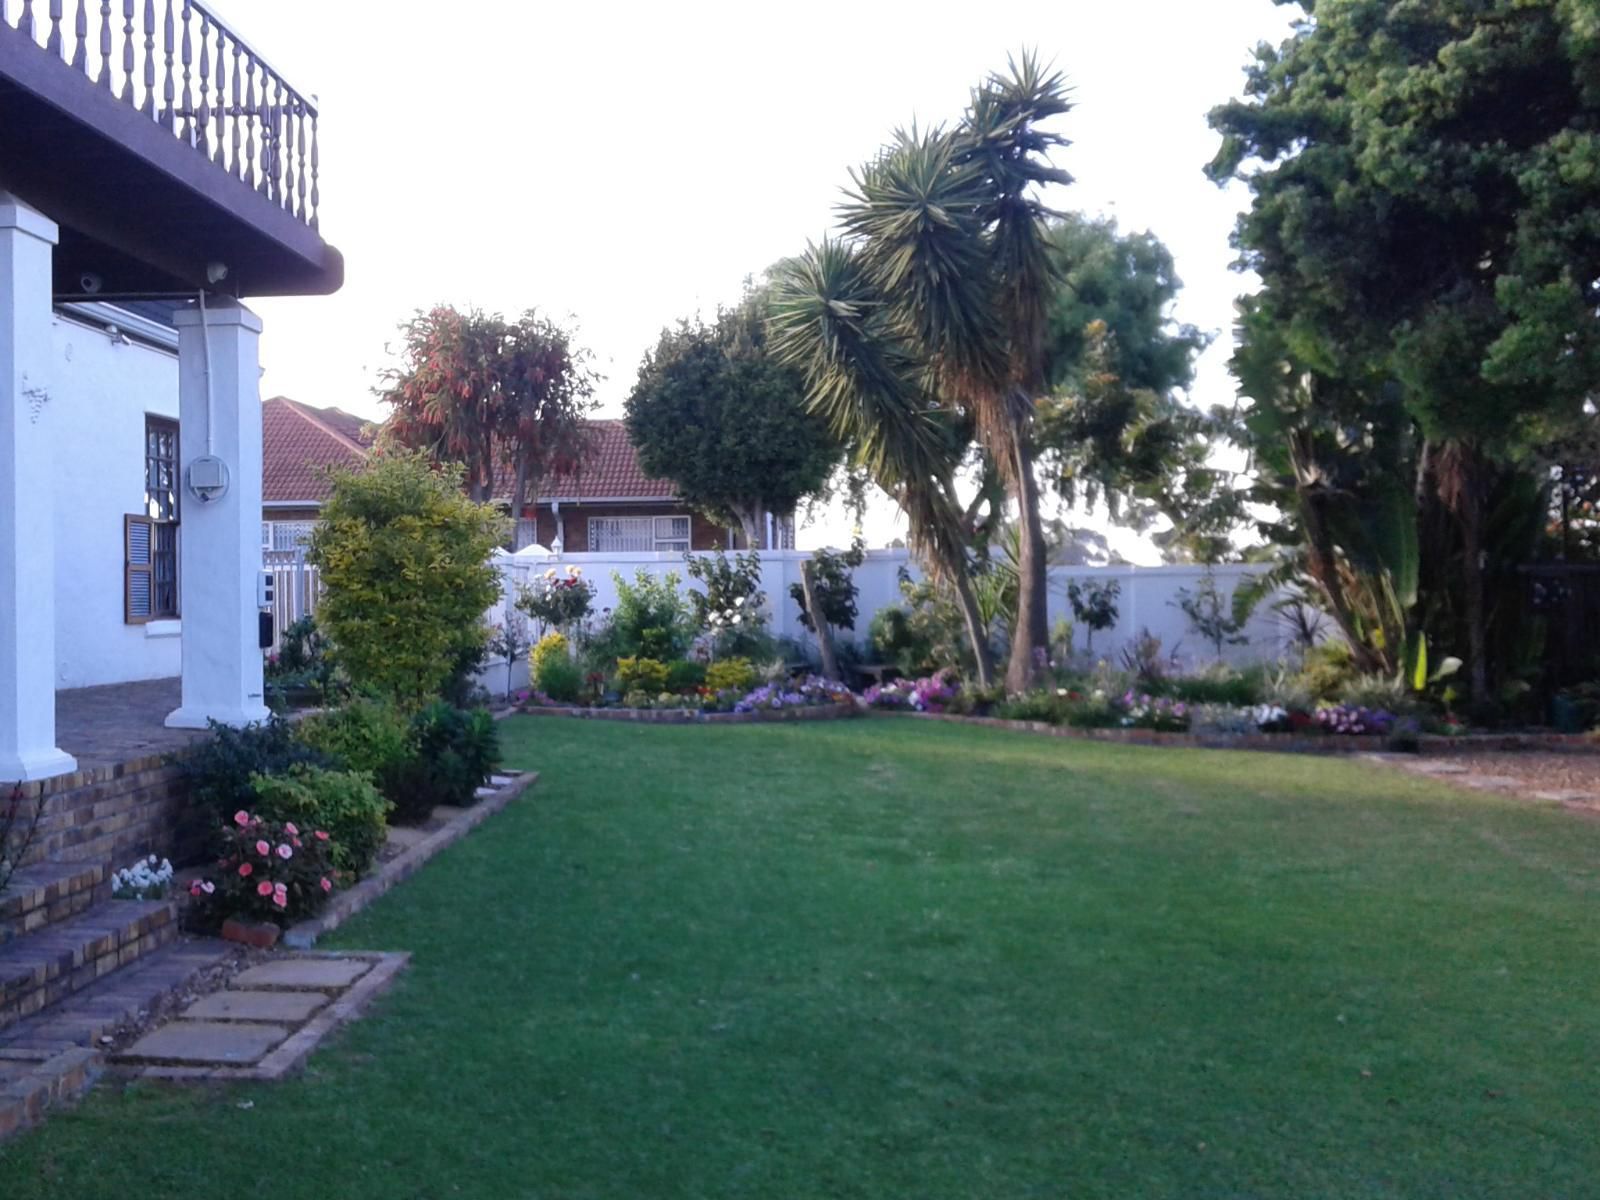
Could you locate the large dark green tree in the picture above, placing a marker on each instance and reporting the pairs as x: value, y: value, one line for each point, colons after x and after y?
x: 1426, y: 227
x: 727, y: 423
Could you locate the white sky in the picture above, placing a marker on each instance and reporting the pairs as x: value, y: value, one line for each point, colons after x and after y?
x: 627, y: 166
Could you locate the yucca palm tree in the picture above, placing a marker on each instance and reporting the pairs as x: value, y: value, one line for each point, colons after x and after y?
x: 826, y: 321
x: 951, y: 275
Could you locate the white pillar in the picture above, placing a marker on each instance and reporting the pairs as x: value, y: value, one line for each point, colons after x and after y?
x: 28, y: 429
x: 219, y: 540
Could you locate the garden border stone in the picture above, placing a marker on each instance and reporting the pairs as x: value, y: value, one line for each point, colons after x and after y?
x: 50, y: 1079
x: 694, y: 716
x: 346, y: 904
x: 1282, y: 743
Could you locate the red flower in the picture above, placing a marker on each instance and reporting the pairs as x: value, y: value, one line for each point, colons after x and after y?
x: 245, y: 868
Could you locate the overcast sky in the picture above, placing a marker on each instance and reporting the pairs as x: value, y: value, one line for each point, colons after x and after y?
x: 627, y: 166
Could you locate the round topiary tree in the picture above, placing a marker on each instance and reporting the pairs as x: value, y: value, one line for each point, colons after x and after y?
x: 406, y: 576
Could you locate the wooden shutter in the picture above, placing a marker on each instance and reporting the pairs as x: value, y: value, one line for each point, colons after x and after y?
x: 138, y: 569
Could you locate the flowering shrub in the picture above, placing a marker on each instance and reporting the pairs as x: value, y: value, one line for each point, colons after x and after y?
x: 810, y: 692
x: 268, y: 870
x: 345, y: 803
x: 932, y: 693
x: 646, y: 675
x: 557, y: 600
x: 735, y: 673
x: 1349, y: 720
x: 147, y: 879
x: 1141, y: 710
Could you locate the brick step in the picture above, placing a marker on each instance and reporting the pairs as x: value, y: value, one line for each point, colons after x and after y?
x: 42, y: 968
x: 41, y: 895
x: 127, y: 996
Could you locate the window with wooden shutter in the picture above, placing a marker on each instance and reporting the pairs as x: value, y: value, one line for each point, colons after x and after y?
x: 138, y: 569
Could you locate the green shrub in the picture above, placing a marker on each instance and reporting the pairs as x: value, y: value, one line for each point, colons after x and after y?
x: 685, y: 675
x: 1094, y: 713
x: 404, y: 557
x: 343, y: 803
x: 1034, y: 706
x: 731, y: 674
x: 641, y: 675
x: 457, y: 751
x: 1327, y: 669
x: 651, y: 619
x: 365, y: 735
x: 1220, y: 685
x: 551, y: 646
x: 219, y: 770
x: 560, y: 679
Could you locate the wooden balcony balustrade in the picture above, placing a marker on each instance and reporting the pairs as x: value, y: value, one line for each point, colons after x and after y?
x: 180, y: 65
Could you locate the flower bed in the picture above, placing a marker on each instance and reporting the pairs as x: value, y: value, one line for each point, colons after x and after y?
x: 808, y: 698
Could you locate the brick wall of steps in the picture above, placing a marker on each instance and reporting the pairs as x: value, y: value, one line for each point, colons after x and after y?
x: 60, y: 930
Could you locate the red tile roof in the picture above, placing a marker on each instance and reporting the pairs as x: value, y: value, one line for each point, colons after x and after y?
x: 298, y: 442
x: 611, y: 471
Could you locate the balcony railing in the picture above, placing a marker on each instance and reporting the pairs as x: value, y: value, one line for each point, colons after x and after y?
x: 175, y: 62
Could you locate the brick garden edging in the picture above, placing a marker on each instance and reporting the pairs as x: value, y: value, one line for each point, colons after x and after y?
x: 694, y: 716
x: 347, y: 903
x: 1283, y: 743
x: 49, y: 1079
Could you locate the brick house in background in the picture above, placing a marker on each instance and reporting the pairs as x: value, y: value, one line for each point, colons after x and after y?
x: 610, y: 506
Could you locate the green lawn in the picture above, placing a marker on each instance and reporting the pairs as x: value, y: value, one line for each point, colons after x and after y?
x: 893, y: 959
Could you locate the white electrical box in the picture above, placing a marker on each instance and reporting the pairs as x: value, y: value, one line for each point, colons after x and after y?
x: 264, y: 590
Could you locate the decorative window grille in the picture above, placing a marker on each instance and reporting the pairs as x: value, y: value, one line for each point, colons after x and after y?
x: 618, y: 535
x: 150, y: 538
x: 286, y: 535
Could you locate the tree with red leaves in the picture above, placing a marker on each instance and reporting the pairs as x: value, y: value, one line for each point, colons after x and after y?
x: 505, y: 399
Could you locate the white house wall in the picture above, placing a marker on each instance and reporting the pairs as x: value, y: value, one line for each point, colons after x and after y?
x: 102, y: 390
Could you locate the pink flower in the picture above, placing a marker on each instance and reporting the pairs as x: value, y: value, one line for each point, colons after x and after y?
x: 285, y: 852
x: 208, y: 887
x: 263, y: 848
x: 288, y: 827
x: 263, y: 888
x: 298, y: 843
x: 241, y: 817
x: 245, y: 868
x: 327, y: 884
x: 281, y: 900
x: 194, y: 888
x: 321, y: 836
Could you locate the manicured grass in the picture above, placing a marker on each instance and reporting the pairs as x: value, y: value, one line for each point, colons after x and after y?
x: 889, y: 958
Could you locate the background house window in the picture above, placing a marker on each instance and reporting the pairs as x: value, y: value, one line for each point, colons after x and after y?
x: 150, y: 538
x: 286, y: 535
x: 638, y: 534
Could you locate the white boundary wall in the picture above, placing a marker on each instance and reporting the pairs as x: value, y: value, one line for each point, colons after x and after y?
x: 1148, y: 600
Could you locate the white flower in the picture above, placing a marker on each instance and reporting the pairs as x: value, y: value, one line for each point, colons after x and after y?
x: 738, y: 602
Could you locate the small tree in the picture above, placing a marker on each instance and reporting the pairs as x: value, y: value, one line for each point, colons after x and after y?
x: 826, y: 595
x: 1211, y: 614
x: 1094, y: 606
x: 510, y: 642
x: 732, y: 609
x: 404, y: 557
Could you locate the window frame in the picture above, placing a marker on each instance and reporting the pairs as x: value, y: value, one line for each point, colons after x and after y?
x: 659, y: 543
x: 162, y: 520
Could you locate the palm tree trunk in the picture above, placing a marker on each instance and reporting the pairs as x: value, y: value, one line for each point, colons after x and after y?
x: 1030, y: 642
x: 1477, y: 622
x: 976, y: 633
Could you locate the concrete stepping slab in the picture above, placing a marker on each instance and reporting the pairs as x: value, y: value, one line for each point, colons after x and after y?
x: 256, y: 1006
x: 484, y: 793
x: 304, y: 974
x: 500, y: 781
x: 213, y: 1042
x: 1435, y: 766
x: 1568, y: 796
x: 1491, y: 783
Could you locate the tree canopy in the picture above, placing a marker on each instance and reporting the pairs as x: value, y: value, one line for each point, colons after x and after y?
x: 727, y: 423
x: 1426, y: 225
x: 504, y: 399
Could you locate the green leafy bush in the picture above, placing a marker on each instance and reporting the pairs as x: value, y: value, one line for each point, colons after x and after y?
x: 365, y: 735
x: 550, y: 646
x: 220, y: 770
x: 344, y: 803
x: 641, y: 675
x: 1328, y: 668
x: 1034, y: 706
x: 685, y: 675
x: 559, y: 678
x: 651, y: 620
x: 1220, y: 685
x: 731, y: 674
x: 457, y: 751
x: 404, y: 557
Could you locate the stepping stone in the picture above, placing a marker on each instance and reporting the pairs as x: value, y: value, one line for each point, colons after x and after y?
x: 1491, y: 782
x: 500, y: 781
x: 224, y: 1042
x: 1569, y: 796
x: 404, y: 836
x: 1435, y: 766
x: 304, y: 974
x: 256, y: 1006
x: 484, y: 793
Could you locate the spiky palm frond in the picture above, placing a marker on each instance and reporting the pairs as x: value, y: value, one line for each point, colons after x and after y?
x: 828, y: 321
